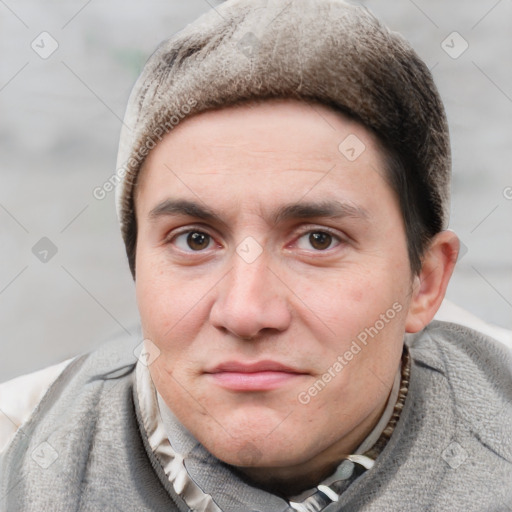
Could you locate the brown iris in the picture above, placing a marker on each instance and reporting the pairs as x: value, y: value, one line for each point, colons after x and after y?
x: 197, y: 240
x: 320, y: 240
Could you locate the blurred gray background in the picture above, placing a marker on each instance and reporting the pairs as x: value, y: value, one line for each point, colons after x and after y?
x: 60, y: 117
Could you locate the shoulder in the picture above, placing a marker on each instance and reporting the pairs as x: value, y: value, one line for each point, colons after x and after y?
x: 86, y: 435
x: 450, y: 312
x: 20, y: 397
x: 446, y: 344
x: 478, y: 370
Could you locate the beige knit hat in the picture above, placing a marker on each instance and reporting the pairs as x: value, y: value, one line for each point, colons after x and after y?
x: 312, y: 50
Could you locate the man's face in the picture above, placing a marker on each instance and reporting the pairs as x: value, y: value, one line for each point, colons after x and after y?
x: 304, y: 253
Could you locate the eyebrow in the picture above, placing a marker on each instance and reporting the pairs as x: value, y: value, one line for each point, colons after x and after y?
x: 300, y: 210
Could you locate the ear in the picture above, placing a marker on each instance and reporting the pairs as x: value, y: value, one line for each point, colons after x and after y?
x: 429, y: 287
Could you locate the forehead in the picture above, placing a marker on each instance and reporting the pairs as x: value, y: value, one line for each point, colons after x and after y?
x: 266, y: 147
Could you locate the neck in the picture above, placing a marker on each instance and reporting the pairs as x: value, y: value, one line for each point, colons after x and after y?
x: 287, y: 482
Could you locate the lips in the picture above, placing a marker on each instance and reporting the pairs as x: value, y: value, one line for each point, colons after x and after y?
x: 257, y: 376
x: 259, y: 366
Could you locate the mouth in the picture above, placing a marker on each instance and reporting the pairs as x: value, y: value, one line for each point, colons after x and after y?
x: 258, y: 376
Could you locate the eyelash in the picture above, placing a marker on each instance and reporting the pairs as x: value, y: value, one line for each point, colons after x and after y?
x: 200, y: 229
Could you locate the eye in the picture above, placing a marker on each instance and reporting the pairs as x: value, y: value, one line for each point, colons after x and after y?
x: 192, y: 240
x: 319, y: 240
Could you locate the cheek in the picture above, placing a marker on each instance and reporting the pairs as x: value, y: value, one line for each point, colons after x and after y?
x: 159, y: 297
x: 361, y: 314
x: 172, y: 307
x: 349, y: 299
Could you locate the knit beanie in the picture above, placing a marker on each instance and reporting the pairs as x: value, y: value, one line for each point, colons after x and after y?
x: 325, y: 51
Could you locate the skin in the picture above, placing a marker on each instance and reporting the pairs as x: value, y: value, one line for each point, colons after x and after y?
x: 300, y: 302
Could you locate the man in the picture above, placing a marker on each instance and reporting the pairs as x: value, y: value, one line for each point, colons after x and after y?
x: 283, y: 198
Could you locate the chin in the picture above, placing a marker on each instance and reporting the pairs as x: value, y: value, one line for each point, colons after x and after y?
x: 256, y: 449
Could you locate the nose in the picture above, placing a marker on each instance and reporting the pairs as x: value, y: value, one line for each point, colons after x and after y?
x: 251, y: 299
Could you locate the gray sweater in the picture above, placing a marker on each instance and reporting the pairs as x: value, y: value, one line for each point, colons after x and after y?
x: 84, y: 448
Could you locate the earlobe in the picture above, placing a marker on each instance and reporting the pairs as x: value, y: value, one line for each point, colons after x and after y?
x: 429, y: 287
